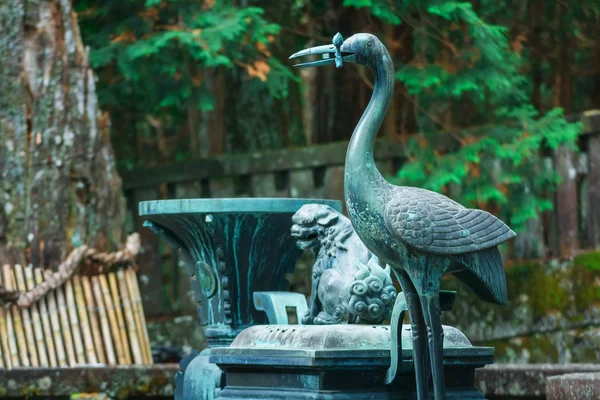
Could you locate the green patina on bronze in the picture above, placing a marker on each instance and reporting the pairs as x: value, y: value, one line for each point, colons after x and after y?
x: 348, y: 284
x: 337, y: 362
x: 232, y: 248
x: 421, y: 234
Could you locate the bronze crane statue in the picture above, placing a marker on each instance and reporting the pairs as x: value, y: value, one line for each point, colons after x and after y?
x: 422, y: 234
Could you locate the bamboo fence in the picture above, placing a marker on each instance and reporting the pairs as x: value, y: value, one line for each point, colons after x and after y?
x: 86, y: 321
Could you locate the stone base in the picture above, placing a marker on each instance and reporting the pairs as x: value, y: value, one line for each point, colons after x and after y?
x: 261, y: 394
x: 524, y: 381
x: 337, y: 362
x: 202, y: 380
x: 350, y: 384
x: 574, y: 387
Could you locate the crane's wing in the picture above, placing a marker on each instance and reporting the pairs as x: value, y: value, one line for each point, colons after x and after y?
x: 438, y: 225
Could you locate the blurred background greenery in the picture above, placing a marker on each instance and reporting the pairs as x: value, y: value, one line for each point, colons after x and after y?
x: 191, y: 79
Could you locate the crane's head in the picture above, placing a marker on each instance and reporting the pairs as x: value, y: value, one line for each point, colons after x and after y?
x: 362, y: 48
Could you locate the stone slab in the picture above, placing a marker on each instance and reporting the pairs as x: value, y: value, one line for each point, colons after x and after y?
x: 117, y: 382
x: 580, y: 386
x: 520, y: 381
x: 506, y: 381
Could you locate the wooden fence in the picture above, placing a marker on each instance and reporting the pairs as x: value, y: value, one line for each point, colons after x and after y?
x: 80, y: 323
x: 317, y: 172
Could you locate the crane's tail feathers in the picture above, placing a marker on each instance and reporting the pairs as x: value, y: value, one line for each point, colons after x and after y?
x: 484, y: 275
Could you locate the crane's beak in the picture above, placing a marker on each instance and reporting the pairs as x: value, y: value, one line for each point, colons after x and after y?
x: 330, y: 53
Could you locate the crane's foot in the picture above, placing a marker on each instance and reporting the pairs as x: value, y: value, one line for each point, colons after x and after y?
x: 400, y: 307
x: 435, y: 334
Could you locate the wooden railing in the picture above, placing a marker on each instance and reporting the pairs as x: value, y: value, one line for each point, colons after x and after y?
x: 317, y: 172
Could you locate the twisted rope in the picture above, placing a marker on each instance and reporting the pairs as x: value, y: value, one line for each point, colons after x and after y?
x: 65, y: 270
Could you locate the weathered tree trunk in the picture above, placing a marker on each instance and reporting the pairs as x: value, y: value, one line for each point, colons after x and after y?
x: 208, y: 130
x: 566, y: 192
x: 309, y: 79
x: 538, y: 51
x: 58, y: 184
x: 389, y: 123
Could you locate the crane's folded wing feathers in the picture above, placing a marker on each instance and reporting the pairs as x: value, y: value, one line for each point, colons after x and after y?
x: 441, y: 227
x: 484, y: 275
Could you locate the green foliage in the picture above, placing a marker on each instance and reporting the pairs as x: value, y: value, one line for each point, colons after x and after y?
x: 588, y: 260
x: 379, y: 8
x: 219, y: 36
x: 477, y: 79
x: 464, y: 73
x: 160, y: 59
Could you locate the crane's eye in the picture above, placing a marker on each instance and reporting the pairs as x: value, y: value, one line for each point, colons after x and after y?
x: 370, y: 43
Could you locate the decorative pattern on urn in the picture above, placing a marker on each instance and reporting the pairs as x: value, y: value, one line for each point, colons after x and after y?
x: 348, y: 284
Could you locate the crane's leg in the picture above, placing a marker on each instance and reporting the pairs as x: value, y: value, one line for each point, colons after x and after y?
x: 418, y: 335
x: 435, y: 335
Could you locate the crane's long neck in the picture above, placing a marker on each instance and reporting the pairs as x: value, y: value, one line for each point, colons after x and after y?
x: 361, y: 174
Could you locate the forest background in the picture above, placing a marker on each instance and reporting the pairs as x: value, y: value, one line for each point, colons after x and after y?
x: 191, y: 79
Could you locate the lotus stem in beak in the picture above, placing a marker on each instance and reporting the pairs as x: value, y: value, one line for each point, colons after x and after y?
x: 338, y: 41
x: 331, y: 53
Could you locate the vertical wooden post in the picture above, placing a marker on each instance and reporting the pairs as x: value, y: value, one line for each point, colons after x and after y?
x: 19, y: 281
x: 47, y: 328
x: 20, y: 358
x: 566, y: 194
x: 389, y: 123
x: 4, y: 332
x: 149, y: 259
x: 104, y: 324
x: 566, y: 202
x: 65, y: 328
x: 36, y: 321
x: 112, y: 319
x: 529, y: 244
x: 1, y: 356
x: 117, y: 302
x: 301, y: 183
x: 74, y: 322
x: 334, y: 184
x: 591, y: 126
x: 130, y: 318
x: 86, y: 330
x: 136, y: 304
x: 309, y: 112
x: 52, y: 308
x: 92, y: 310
